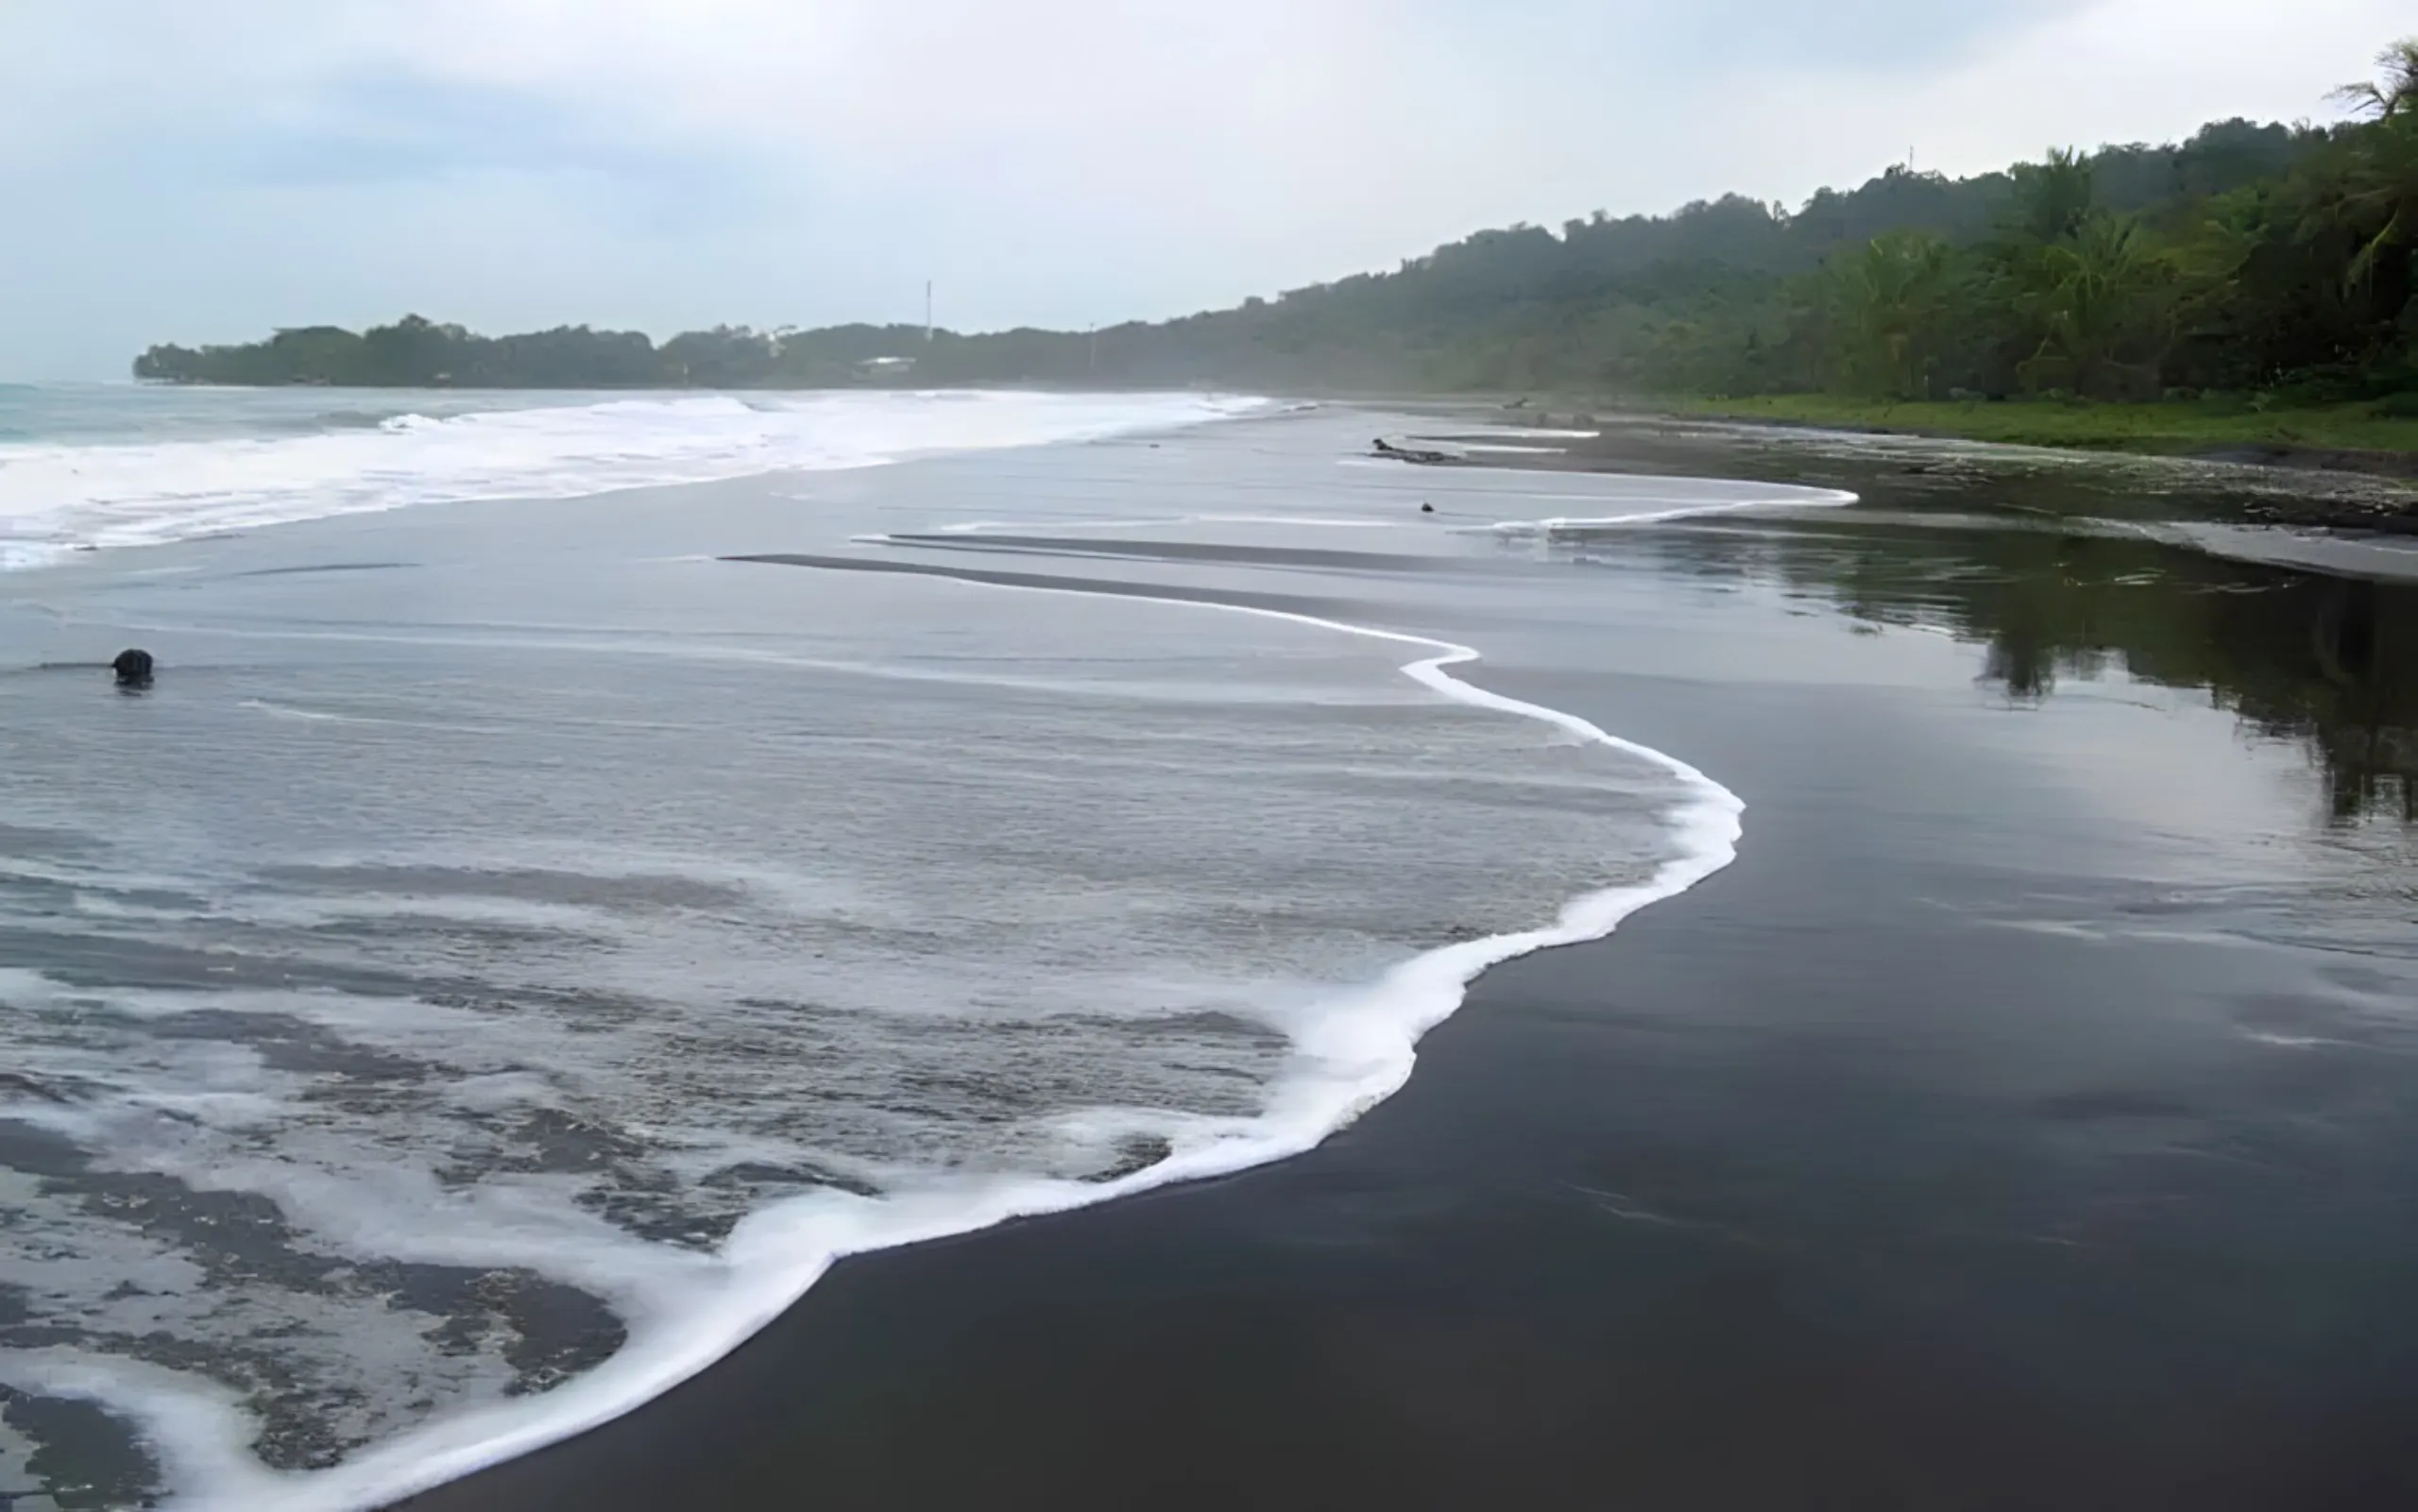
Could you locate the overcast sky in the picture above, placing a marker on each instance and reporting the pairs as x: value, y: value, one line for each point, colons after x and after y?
x: 205, y: 171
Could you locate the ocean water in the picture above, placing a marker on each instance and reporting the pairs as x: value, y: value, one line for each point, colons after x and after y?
x: 113, y: 465
x: 590, y: 861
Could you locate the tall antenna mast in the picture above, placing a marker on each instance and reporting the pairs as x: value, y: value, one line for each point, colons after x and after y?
x: 927, y: 310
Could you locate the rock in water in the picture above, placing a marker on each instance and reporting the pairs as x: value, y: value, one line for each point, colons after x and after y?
x: 133, y: 668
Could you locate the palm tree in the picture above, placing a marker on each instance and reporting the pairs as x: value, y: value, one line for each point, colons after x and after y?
x: 2102, y: 302
x: 2053, y: 198
x: 2383, y: 184
x: 2397, y: 93
x: 2380, y: 191
x: 1891, y: 298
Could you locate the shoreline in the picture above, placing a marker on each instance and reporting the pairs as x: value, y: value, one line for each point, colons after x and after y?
x: 2341, y: 438
x: 2355, y: 502
x: 1648, y: 689
x: 590, y: 1465
x: 1662, y: 1219
x: 1703, y: 848
x: 1435, y: 984
x: 1710, y: 818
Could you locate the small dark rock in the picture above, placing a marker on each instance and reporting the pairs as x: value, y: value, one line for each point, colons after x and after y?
x: 133, y: 668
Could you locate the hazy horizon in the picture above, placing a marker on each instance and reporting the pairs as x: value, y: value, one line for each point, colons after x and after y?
x: 656, y: 166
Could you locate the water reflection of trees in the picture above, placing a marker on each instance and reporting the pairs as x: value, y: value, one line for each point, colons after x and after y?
x: 2329, y: 661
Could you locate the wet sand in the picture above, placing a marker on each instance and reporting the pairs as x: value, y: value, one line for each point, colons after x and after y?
x: 2366, y: 496
x: 2024, y: 1120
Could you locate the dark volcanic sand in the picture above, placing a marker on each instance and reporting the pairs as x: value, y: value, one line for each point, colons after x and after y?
x: 2026, y: 1120
x: 2367, y: 493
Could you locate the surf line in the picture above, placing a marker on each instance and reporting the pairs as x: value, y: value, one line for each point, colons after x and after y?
x: 1432, y: 985
x: 1357, y: 1049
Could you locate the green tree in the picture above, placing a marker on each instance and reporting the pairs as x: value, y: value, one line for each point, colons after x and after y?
x: 2102, y: 301
x: 2053, y: 198
x: 1892, y: 303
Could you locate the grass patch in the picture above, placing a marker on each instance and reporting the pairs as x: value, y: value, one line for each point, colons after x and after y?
x: 2173, y: 427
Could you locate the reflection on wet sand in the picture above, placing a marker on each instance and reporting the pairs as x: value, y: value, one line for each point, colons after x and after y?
x: 2332, y: 661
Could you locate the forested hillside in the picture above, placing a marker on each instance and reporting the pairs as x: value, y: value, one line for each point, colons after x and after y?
x: 2253, y: 260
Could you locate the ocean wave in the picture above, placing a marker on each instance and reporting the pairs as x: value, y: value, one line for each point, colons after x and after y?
x: 55, y: 497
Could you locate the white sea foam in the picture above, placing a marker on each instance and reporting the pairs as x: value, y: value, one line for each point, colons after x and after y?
x: 977, y: 527
x: 1786, y: 497
x: 686, y: 1310
x: 55, y: 497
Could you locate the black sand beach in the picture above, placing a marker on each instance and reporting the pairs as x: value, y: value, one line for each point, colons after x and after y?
x: 2024, y: 1120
